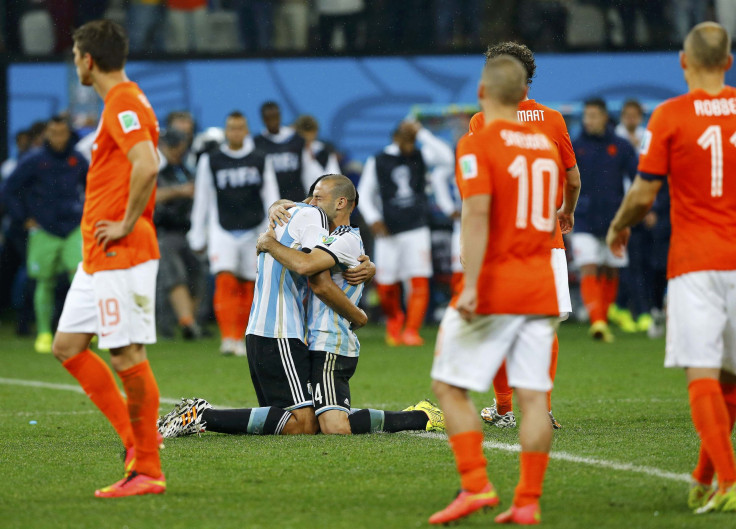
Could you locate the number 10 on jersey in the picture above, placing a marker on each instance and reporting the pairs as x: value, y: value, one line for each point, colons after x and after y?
x: 519, y: 169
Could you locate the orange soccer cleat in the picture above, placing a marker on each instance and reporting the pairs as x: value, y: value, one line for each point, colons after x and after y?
x: 134, y: 485
x: 527, y: 515
x: 411, y: 337
x: 466, y: 503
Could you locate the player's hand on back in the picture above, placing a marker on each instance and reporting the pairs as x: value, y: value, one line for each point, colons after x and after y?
x: 265, y: 239
x: 107, y: 231
x: 617, y: 240
x: 380, y: 229
x: 566, y: 220
x: 467, y: 303
x: 278, y: 214
x: 362, y: 273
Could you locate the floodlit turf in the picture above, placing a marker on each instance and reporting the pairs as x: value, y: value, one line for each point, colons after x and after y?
x: 616, y: 403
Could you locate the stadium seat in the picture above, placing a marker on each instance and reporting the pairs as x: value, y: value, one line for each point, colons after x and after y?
x: 37, y: 33
x: 586, y: 25
x: 223, y: 31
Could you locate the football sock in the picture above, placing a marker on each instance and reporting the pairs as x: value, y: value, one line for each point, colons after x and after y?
x: 553, y: 368
x: 245, y: 300
x: 366, y: 421
x: 400, y: 421
x: 504, y: 394
x: 98, y: 382
x: 43, y: 304
x: 418, y: 302
x: 143, y: 400
x: 704, y: 470
x: 590, y: 290
x: 390, y: 297
x: 609, y: 290
x: 254, y: 421
x: 711, y: 419
x: 225, y: 301
x: 471, y: 464
x: 456, y: 283
x: 531, y: 476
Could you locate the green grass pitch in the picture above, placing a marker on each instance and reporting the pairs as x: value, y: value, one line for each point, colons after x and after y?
x: 623, y: 455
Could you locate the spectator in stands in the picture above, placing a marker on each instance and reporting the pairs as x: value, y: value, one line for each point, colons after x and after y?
x: 319, y: 157
x: 45, y: 194
x: 186, y: 26
x: 22, y: 144
x: 453, y: 15
x: 291, y: 25
x: 180, y: 278
x: 143, y: 21
x: 339, y: 15
x: 256, y: 23
x: 606, y: 160
x: 543, y: 24
x: 726, y: 14
x: 687, y: 13
x: 284, y: 148
x: 630, y: 125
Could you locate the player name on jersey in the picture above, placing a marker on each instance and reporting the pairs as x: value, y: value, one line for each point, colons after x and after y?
x: 715, y: 107
x: 530, y: 115
x: 513, y: 138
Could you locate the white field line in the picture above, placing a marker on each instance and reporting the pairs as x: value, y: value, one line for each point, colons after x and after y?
x: 489, y: 445
x: 583, y: 460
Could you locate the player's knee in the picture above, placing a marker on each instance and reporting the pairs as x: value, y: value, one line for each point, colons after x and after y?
x: 441, y: 389
x: 334, y: 422
x: 63, y: 349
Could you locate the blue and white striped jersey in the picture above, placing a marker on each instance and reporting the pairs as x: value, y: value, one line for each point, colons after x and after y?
x: 278, y: 302
x: 326, y: 329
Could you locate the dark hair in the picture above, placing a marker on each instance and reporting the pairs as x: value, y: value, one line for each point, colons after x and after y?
x: 236, y: 114
x: 21, y: 133
x: 178, y: 114
x: 269, y: 105
x: 60, y: 120
x: 633, y: 103
x: 517, y: 51
x: 596, y: 102
x: 106, y: 41
x: 306, y: 123
x: 36, y: 129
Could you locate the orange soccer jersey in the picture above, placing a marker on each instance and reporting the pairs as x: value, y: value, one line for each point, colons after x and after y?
x: 553, y: 125
x: 692, y: 138
x: 126, y: 120
x: 520, y: 169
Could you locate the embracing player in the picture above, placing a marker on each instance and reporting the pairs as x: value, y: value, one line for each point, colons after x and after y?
x: 691, y: 139
x: 113, y: 292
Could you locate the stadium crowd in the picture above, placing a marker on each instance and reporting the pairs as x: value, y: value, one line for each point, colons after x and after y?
x: 42, y: 27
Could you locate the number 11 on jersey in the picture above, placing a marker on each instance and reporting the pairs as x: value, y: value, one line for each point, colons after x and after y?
x: 712, y: 139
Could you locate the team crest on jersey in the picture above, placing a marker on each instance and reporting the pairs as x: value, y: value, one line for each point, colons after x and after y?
x: 469, y: 166
x: 129, y: 121
x: 646, y: 139
x: 328, y: 240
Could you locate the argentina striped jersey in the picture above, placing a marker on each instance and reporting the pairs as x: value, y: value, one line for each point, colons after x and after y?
x: 327, y: 330
x: 278, y: 301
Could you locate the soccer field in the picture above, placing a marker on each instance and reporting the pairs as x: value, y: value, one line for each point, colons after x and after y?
x: 622, y: 458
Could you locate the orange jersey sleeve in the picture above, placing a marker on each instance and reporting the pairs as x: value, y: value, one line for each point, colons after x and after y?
x: 127, y: 120
x: 521, y: 171
x: 692, y: 139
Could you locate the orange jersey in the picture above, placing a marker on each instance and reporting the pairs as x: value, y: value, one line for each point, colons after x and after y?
x: 520, y: 168
x: 126, y: 120
x: 692, y: 138
x: 553, y: 125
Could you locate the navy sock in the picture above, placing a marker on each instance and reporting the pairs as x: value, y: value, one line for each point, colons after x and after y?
x: 369, y: 421
x: 252, y: 421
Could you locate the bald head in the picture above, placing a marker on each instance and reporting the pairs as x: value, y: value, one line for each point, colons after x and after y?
x: 340, y: 186
x: 504, y: 80
x: 708, y: 46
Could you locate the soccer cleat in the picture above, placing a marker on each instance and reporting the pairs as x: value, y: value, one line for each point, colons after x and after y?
x: 600, y: 331
x: 721, y: 501
x: 43, y: 342
x: 227, y: 347
x: 643, y: 322
x: 240, y: 348
x: 528, y: 515
x: 134, y: 485
x: 184, y: 419
x: 490, y: 416
x: 698, y: 495
x: 555, y: 425
x: 436, y: 419
x: 466, y: 503
x: 411, y: 338
x: 129, y: 461
x: 622, y: 318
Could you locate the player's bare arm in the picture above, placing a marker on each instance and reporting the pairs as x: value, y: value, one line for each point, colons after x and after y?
x: 637, y: 203
x: 331, y: 295
x: 474, y: 237
x: 278, y: 212
x: 143, y: 175
x: 362, y: 273
x: 571, y: 192
x: 305, y: 264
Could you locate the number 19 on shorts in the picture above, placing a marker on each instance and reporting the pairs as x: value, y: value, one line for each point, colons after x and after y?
x: 109, y: 312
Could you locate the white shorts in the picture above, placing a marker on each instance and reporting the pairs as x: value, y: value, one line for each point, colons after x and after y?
x: 701, y: 320
x: 468, y: 355
x: 559, y: 267
x: 587, y: 249
x: 456, y: 264
x: 116, y: 305
x: 234, y: 254
x: 403, y: 256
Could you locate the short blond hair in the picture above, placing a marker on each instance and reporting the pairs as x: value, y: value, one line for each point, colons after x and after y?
x: 708, y: 44
x: 505, y: 79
